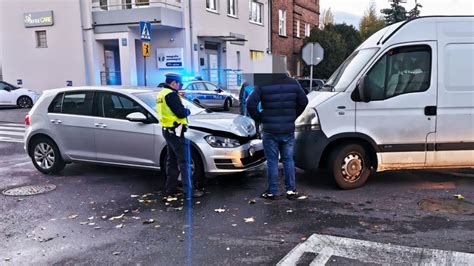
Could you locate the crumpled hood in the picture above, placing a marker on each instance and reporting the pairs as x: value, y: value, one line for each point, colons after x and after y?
x: 236, y: 124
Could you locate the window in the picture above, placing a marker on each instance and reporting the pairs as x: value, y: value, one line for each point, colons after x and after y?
x: 402, y: 70
x: 126, y: 4
x: 112, y: 105
x: 211, y: 87
x: 142, y: 2
x: 41, y: 41
x: 77, y: 103
x: 103, y: 4
x: 57, y: 104
x: 211, y: 5
x: 232, y: 8
x: 199, y: 86
x: 256, y: 55
x: 256, y: 10
x: 307, y: 30
x: 298, y: 35
x: 282, y: 22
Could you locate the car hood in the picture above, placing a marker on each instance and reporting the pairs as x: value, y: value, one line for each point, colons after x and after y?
x: 315, y: 98
x: 236, y: 124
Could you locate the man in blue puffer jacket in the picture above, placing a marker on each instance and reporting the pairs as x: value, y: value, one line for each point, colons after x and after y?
x: 282, y: 101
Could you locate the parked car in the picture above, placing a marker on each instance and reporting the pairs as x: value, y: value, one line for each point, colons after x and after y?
x: 207, y: 94
x: 305, y: 82
x: 11, y: 95
x: 119, y: 126
x: 402, y: 100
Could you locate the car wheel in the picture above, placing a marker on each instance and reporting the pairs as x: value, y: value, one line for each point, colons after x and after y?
x: 349, y: 164
x: 227, y: 104
x: 197, y: 168
x: 24, y: 102
x: 46, y: 156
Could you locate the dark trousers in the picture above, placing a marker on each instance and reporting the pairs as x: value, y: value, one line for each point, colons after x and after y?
x: 176, y: 161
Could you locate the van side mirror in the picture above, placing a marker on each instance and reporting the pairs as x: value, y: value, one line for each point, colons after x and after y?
x: 363, y: 89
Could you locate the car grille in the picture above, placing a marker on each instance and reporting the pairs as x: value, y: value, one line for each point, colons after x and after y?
x: 257, y: 157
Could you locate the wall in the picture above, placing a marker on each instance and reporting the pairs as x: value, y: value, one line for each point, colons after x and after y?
x: 43, y: 68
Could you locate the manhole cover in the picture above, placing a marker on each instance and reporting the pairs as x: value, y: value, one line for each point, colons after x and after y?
x: 451, y: 206
x: 28, y: 190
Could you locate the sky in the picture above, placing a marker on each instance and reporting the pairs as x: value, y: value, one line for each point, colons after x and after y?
x: 350, y: 11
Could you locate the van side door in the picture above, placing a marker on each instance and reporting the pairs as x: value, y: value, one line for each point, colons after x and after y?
x: 455, y: 120
x: 401, y: 94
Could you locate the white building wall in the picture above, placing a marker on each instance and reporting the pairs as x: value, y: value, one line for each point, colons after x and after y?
x: 43, y: 68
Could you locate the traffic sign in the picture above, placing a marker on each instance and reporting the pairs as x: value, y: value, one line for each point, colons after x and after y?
x: 145, y: 31
x: 146, y: 49
x: 313, y: 53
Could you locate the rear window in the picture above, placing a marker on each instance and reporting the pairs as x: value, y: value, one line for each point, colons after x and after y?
x: 57, y: 104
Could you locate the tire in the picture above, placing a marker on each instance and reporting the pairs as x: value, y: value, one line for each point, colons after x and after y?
x: 227, y: 104
x: 24, y: 102
x: 46, y: 157
x: 197, y: 167
x: 349, y: 164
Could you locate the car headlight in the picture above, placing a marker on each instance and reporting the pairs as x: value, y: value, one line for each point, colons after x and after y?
x: 222, y: 142
x: 308, y: 121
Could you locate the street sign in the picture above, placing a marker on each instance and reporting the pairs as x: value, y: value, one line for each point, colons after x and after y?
x: 146, y: 49
x: 313, y: 53
x: 145, y: 31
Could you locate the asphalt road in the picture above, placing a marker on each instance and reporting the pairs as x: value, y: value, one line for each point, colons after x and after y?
x: 72, y: 224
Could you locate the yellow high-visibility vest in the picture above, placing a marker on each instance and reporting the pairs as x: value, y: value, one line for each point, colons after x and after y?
x: 166, y: 116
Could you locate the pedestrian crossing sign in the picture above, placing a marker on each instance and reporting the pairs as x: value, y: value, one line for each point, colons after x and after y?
x: 146, y: 49
x: 145, y: 31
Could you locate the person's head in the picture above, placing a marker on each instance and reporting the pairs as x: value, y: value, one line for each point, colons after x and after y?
x: 174, y: 80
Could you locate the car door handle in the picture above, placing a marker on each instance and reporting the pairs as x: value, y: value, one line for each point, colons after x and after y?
x: 97, y: 124
x: 430, y: 110
x: 56, y: 121
x: 103, y: 126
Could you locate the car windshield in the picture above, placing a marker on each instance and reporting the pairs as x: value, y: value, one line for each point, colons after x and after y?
x: 348, y: 70
x: 149, y: 98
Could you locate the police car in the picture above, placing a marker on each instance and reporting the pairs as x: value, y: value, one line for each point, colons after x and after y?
x: 206, y: 94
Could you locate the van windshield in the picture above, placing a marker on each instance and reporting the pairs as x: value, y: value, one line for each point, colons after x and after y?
x: 348, y: 70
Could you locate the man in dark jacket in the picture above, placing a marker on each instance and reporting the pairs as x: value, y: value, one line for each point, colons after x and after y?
x: 282, y: 101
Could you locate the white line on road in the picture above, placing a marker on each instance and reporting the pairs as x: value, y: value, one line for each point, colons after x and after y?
x: 7, y: 139
x: 9, y: 133
x: 13, y: 125
x: 13, y: 128
x: 372, y: 252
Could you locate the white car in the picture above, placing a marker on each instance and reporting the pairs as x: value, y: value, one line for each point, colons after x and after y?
x: 11, y: 95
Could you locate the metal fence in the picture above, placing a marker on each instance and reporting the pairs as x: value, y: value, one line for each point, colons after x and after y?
x: 110, y: 78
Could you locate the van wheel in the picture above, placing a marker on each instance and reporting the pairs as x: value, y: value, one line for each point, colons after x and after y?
x: 197, y: 168
x: 46, y: 156
x: 227, y: 104
x: 349, y: 165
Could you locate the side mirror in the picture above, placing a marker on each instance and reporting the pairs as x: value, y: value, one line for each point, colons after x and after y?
x: 219, y: 90
x: 137, y: 117
x: 8, y: 89
x: 363, y: 90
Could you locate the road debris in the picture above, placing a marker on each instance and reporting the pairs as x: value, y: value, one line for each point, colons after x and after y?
x: 219, y: 210
x: 249, y: 220
x: 149, y: 221
x: 119, y: 226
x: 73, y: 216
x: 116, y: 253
x: 252, y: 201
x: 157, y: 226
x: 458, y: 196
x: 116, y: 217
x: 289, y: 211
x: 90, y: 218
x: 302, y: 197
x: 134, y: 196
x: 104, y: 217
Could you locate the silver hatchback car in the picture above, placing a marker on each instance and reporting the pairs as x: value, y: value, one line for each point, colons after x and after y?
x: 119, y: 126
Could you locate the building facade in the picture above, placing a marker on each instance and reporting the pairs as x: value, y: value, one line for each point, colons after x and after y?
x: 47, y: 44
x: 292, y: 21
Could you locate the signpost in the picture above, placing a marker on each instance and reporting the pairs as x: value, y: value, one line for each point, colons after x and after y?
x: 145, y: 36
x: 312, y: 54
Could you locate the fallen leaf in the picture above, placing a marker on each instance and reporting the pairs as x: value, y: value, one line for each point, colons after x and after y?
x: 83, y: 223
x: 73, y: 216
x: 302, y: 197
x: 19, y: 199
x: 116, y: 217
x: 289, y: 211
x: 134, y: 196
x: 157, y: 226
x: 303, y: 239
x: 234, y: 225
x: 227, y: 248
x: 90, y: 218
x: 104, y: 217
x: 119, y: 226
x: 153, y: 210
x: 198, y: 202
x: 125, y: 211
x: 219, y: 210
x: 149, y: 221
x: 112, y: 201
x: 140, y: 200
x: 252, y: 201
x: 91, y: 224
x: 249, y: 220
x: 97, y: 227
x: 136, y: 217
x: 179, y: 208
x: 116, y: 253
x: 136, y: 211
x: 169, y: 199
x: 54, y: 219
x: 459, y: 196
x: 92, y: 202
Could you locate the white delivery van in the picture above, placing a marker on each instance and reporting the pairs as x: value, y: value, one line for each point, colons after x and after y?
x: 403, y: 100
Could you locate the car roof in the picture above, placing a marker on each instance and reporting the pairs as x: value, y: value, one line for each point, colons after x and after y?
x: 123, y: 89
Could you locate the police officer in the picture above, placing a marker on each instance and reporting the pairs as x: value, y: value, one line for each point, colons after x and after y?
x: 172, y: 115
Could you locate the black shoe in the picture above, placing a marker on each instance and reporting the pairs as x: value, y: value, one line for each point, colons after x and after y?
x: 292, y: 194
x: 268, y: 195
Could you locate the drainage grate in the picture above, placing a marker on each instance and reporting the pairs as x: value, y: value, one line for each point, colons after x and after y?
x: 450, y: 206
x: 28, y: 190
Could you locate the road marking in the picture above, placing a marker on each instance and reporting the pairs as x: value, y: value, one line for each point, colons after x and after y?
x: 12, y: 124
x: 10, y: 132
x: 326, y: 246
x: 12, y: 128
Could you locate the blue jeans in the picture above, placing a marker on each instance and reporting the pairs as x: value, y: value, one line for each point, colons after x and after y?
x: 273, y: 145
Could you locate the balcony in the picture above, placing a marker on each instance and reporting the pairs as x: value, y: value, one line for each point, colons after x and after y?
x: 119, y: 17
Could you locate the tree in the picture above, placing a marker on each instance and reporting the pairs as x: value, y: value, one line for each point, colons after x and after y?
x: 327, y: 18
x: 335, y: 51
x: 370, y: 22
x: 415, y: 12
x: 349, y: 34
x: 396, y: 13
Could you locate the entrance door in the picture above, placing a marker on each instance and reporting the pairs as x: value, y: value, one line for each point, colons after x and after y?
x: 212, y: 62
x: 110, y: 67
x: 402, y: 92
